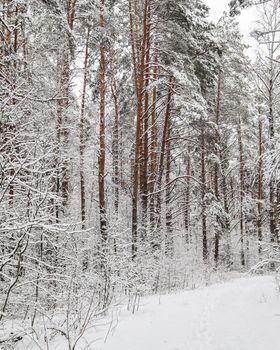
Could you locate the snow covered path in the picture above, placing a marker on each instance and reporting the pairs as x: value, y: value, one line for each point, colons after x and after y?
x: 243, y: 314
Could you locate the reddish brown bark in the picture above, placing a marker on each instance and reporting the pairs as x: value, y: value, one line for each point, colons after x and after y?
x: 8, y: 32
x: 71, y: 13
x: 140, y: 88
x: 133, y: 46
x: 16, y: 32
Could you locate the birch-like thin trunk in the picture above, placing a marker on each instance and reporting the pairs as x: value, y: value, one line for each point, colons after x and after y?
x: 187, y: 203
x: 217, y: 168
x: 260, y: 185
x: 115, y: 142
x: 153, y: 152
x: 161, y: 165
x: 82, y: 136
x: 145, y: 135
x: 63, y: 130
x: 168, y: 214
x: 203, y: 204
x: 242, y: 193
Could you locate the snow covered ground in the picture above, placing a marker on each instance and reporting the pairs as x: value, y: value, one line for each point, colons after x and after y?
x: 243, y: 314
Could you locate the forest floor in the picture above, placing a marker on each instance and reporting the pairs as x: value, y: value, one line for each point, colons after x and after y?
x: 242, y: 314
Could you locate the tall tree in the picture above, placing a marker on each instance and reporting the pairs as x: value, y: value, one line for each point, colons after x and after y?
x: 102, y: 146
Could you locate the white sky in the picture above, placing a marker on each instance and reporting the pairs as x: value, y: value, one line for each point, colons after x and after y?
x: 246, y: 21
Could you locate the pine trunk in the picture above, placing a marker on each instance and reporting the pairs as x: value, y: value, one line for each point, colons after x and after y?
x: 140, y: 73
x: 162, y: 157
x: 102, y: 146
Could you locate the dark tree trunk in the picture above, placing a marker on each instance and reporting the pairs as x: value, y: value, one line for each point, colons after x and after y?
x: 260, y: 185
x: 217, y: 168
x: 140, y: 75
x: 242, y: 192
x: 203, y: 193
x: 162, y: 157
x: 188, y: 201
x: 145, y: 136
x: 168, y: 215
x: 82, y: 136
x: 102, y: 146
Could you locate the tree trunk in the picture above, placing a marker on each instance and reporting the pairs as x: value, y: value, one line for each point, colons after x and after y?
x: 168, y: 215
x: 273, y: 231
x: 63, y: 131
x: 242, y: 192
x: 145, y: 136
x: 102, y: 147
x: 226, y: 226
x: 260, y: 184
x: 203, y: 193
x: 162, y: 156
x: 140, y: 85
x: 217, y: 168
x: 115, y: 143
x: 187, y: 208
x: 82, y: 136
x: 153, y: 152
